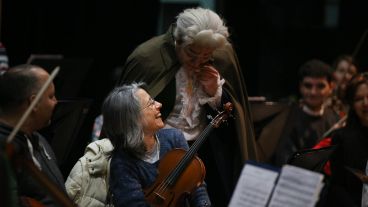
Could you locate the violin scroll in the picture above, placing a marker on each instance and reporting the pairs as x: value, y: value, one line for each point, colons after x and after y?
x: 222, y: 116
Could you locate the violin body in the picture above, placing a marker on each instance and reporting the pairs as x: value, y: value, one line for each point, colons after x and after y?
x: 163, y: 194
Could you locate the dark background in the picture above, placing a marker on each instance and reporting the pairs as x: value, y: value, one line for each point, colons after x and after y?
x: 272, y: 38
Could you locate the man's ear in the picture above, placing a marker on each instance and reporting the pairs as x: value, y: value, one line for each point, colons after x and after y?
x: 30, y: 100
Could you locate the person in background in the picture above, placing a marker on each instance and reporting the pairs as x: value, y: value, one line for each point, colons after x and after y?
x: 133, y: 123
x: 193, y: 69
x: 310, y: 119
x: 18, y: 88
x: 352, y: 144
x: 345, y: 68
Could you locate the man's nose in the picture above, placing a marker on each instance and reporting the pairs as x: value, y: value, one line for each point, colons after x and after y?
x: 314, y: 90
x: 197, y: 61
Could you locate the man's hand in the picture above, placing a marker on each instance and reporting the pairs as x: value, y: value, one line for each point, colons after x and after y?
x: 208, y: 76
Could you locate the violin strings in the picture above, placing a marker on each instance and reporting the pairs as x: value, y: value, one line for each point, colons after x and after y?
x: 169, y: 180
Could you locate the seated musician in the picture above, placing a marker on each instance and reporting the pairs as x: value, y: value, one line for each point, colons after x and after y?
x: 18, y: 88
x: 132, y: 121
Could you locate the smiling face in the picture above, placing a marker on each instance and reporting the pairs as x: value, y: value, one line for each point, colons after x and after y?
x: 150, y: 110
x: 193, y: 56
x: 361, y: 103
x: 314, y: 91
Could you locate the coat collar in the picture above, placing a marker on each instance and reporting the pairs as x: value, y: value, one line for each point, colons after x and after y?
x: 168, y: 52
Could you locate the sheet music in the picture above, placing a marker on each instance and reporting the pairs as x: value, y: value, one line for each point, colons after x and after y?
x: 254, y: 187
x: 297, y: 187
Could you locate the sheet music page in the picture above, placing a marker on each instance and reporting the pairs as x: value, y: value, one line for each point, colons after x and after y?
x: 254, y: 187
x: 297, y: 187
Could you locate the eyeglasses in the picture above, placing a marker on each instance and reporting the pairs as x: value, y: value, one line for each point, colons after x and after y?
x: 194, y: 56
x: 151, y: 103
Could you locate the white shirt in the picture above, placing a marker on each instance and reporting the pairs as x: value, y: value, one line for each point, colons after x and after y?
x: 188, y: 114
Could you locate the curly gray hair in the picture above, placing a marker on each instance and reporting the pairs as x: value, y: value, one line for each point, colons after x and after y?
x: 200, y: 26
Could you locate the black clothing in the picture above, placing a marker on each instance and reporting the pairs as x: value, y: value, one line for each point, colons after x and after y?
x: 351, y: 151
x: 26, y: 185
x: 302, y: 131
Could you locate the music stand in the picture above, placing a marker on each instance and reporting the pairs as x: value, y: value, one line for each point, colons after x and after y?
x: 312, y: 159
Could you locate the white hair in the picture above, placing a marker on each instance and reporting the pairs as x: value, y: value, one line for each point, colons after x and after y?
x: 201, y: 26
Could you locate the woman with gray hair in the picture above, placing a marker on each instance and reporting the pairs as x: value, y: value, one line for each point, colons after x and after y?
x: 193, y: 69
x: 132, y: 121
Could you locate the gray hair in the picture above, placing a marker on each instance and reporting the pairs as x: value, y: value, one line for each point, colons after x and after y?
x: 201, y: 26
x: 121, y: 112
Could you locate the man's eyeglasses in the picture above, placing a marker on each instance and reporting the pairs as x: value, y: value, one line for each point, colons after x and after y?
x: 151, y: 103
x: 194, y: 56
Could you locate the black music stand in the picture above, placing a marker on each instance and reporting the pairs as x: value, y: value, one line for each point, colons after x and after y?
x: 312, y: 159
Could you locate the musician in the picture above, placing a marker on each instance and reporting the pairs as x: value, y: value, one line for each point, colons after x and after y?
x: 18, y: 88
x: 310, y: 118
x: 132, y: 121
x: 345, y: 67
x: 193, y: 69
x: 352, y: 145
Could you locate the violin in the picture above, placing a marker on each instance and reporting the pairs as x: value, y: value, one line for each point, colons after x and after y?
x: 180, y: 171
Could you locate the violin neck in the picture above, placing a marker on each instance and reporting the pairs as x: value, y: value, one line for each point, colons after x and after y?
x: 198, y: 142
x: 184, y: 162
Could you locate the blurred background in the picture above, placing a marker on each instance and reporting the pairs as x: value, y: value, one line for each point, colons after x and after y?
x: 91, y: 38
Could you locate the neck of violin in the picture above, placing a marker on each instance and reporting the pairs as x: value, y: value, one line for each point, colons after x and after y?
x: 189, y: 155
x: 199, y: 141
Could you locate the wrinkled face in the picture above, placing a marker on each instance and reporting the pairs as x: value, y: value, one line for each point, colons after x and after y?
x: 343, y: 73
x: 361, y: 103
x: 315, y: 91
x: 193, y: 56
x: 45, y: 107
x: 150, y: 110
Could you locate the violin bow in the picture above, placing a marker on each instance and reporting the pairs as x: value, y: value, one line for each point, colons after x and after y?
x: 360, y: 43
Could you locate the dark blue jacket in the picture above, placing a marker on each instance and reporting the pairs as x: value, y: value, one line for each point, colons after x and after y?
x: 130, y: 175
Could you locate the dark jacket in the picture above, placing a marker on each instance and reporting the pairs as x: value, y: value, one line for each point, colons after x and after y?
x: 351, y: 151
x: 26, y: 185
x: 302, y: 131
